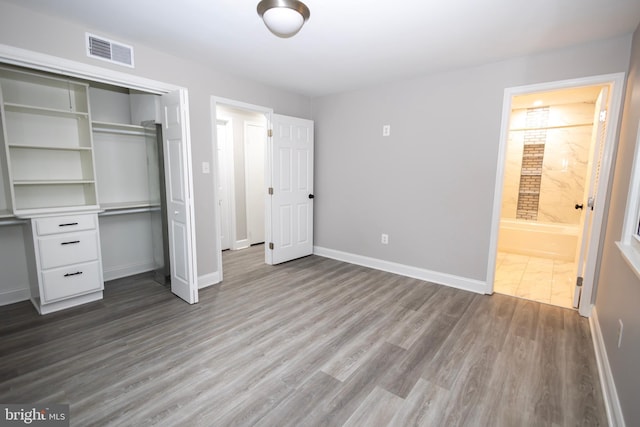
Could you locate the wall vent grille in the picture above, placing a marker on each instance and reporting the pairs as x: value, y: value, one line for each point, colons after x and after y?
x: 108, y: 50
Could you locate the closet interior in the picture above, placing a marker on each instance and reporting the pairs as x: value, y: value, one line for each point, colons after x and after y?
x: 81, y: 188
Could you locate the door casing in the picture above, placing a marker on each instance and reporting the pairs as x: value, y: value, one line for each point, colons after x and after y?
x: 616, y: 80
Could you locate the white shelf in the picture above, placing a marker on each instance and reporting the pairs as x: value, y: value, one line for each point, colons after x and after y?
x: 53, y: 182
x: 32, y: 109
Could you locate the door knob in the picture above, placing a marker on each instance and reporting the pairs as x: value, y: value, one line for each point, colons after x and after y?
x: 579, y: 206
x: 311, y: 196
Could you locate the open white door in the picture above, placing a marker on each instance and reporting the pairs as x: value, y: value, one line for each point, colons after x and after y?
x: 179, y: 189
x: 290, y: 203
x: 588, y: 250
x: 255, y: 135
x: 223, y: 156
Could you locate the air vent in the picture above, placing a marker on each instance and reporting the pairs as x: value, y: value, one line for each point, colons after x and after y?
x: 108, y: 50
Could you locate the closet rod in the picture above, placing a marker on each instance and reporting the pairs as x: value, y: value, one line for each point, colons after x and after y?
x: 123, y: 132
x: 128, y: 211
x: 11, y: 221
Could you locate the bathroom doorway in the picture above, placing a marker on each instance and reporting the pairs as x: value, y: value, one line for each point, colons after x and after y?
x: 554, y: 153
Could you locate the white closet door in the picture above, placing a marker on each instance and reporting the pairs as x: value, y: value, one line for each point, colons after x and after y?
x: 179, y: 189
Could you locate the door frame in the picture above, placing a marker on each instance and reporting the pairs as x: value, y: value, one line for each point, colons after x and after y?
x: 247, y: 173
x: 617, y: 81
x: 231, y: 182
x: 53, y: 64
x: 228, y: 173
x: 268, y: 112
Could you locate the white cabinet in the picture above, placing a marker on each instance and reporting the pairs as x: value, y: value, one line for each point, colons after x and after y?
x: 48, y: 150
x: 66, y: 269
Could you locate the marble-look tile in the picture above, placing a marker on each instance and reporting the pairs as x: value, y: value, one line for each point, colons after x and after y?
x: 562, y: 301
x: 537, y: 279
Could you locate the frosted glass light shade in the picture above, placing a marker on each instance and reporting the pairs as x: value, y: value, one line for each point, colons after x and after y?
x: 282, y: 21
x: 284, y: 18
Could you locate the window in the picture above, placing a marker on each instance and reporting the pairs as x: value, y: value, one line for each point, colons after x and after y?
x: 629, y: 243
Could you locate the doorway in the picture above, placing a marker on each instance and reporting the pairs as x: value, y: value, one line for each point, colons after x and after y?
x: 242, y: 138
x: 552, y: 179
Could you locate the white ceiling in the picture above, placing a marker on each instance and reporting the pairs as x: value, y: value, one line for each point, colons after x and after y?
x: 349, y: 44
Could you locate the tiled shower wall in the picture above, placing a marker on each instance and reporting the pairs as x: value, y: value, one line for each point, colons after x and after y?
x: 564, y: 165
x: 535, y: 137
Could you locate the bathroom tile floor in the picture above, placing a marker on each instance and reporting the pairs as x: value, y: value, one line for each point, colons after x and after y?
x: 539, y: 279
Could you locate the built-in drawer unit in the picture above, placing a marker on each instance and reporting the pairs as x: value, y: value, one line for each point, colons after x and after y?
x: 65, y: 224
x: 68, y: 248
x: 66, y: 268
x: 70, y: 281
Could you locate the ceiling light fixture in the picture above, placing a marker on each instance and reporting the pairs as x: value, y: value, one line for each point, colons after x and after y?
x: 284, y: 18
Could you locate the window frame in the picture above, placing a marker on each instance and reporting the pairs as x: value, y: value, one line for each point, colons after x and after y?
x: 629, y: 244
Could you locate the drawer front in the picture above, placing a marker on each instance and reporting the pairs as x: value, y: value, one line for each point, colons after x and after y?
x: 67, y: 249
x: 71, y: 281
x: 65, y: 224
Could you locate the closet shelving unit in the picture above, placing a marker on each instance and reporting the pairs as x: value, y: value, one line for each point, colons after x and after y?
x: 49, y: 152
x: 49, y: 185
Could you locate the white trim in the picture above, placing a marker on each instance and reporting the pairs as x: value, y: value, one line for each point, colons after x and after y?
x: 127, y: 270
x: 17, y: 295
x: 616, y: 80
x: 633, y: 198
x: 615, y: 417
x: 67, y: 303
x: 263, y: 125
x: 239, y: 244
x: 54, y: 64
x: 450, y: 280
x: 210, y: 279
x: 631, y: 256
x: 231, y: 179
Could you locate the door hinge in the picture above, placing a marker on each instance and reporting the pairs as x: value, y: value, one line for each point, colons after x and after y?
x: 271, y: 245
x: 270, y: 191
x: 270, y: 133
x: 579, y: 281
x: 603, y: 115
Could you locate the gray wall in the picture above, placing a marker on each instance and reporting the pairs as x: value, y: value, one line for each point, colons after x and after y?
x: 618, y: 287
x: 25, y: 29
x: 430, y: 185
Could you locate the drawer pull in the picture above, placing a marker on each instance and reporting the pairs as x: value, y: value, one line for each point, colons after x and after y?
x: 77, y: 273
x: 67, y: 224
x: 70, y: 243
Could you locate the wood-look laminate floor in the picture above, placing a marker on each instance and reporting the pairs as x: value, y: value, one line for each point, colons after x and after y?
x: 311, y: 342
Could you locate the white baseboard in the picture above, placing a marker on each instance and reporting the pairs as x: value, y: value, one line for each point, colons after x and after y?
x: 240, y: 244
x: 16, y: 295
x: 611, y: 400
x: 458, y: 282
x: 207, y: 280
x: 127, y: 270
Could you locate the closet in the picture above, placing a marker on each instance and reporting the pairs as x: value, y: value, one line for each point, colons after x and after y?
x: 80, y: 189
